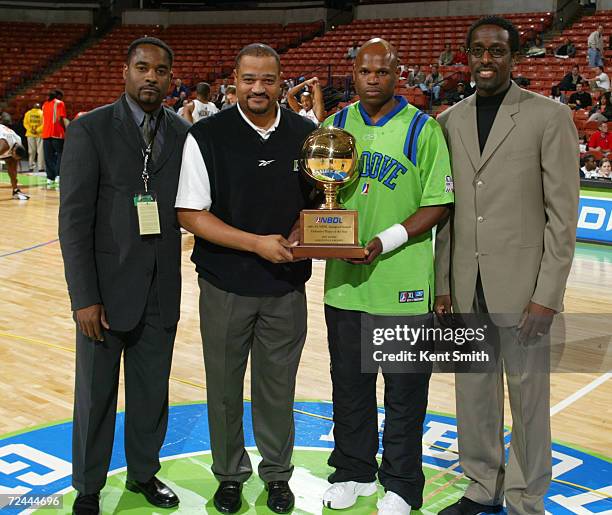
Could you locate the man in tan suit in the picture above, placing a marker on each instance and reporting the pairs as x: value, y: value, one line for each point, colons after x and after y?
x: 507, y: 249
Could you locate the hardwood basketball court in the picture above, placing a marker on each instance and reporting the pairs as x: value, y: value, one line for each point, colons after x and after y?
x: 37, y: 333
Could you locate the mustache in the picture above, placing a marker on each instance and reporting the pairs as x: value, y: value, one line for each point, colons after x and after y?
x: 149, y: 86
x: 258, y: 95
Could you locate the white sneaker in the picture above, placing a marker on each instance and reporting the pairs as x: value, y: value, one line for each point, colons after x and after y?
x: 50, y: 183
x: 393, y: 504
x: 57, y: 181
x: 340, y: 496
x: 19, y: 195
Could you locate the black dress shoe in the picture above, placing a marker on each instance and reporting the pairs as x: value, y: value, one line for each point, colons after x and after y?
x: 465, y: 506
x: 86, y: 504
x: 155, y: 492
x: 280, y: 497
x: 227, y: 498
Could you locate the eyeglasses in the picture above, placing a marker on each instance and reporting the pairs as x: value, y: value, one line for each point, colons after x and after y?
x: 494, y: 51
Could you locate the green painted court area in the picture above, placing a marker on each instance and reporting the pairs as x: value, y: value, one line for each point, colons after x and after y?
x: 25, y: 179
x: 192, y: 479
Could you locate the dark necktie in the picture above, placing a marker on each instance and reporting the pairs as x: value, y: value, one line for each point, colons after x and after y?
x: 147, y: 130
x: 148, y: 133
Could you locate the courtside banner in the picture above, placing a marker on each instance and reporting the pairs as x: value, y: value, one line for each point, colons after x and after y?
x: 595, y: 220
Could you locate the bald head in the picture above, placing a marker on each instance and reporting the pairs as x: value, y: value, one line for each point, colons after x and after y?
x: 379, y: 46
x: 375, y: 74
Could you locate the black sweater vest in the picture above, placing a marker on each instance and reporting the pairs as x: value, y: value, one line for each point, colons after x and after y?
x: 255, y: 187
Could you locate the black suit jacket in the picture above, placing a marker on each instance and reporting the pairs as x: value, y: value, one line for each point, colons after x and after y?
x: 105, y: 259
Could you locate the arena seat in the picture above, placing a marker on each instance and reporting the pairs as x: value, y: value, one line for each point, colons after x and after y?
x: 28, y: 48
x: 93, y: 78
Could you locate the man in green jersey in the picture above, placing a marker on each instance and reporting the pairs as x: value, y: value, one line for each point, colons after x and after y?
x: 403, y: 191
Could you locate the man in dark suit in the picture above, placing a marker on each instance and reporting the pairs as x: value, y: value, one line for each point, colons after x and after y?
x: 121, y: 245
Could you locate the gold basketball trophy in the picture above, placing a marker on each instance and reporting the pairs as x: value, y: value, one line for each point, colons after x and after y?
x: 330, y: 159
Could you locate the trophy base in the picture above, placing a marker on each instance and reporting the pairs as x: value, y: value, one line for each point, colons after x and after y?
x: 328, y: 234
x: 329, y: 252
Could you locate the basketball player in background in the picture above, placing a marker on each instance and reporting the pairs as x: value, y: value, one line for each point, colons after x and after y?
x: 11, y: 152
x: 201, y: 106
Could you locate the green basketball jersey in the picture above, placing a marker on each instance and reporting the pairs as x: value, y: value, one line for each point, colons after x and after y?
x: 405, y: 166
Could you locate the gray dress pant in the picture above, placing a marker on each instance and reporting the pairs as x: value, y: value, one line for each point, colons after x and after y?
x: 36, y: 155
x: 272, y: 330
x: 147, y: 356
x: 525, y: 479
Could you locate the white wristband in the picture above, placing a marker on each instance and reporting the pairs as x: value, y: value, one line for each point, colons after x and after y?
x: 393, y: 237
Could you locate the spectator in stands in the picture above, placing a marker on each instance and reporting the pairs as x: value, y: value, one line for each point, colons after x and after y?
x: 461, y: 58
x: 223, y: 88
x: 566, y: 50
x: 54, y: 130
x: 584, y: 144
x: 601, y: 81
x: 580, y: 99
x: 470, y: 87
x: 282, y: 99
x: 180, y: 101
x: 537, y: 49
x: 351, y: 53
x: 12, y: 152
x: 447, y: 56
x: 178, y: 87
x: 570, y: 79
x: 416, y: 77
x: 230, y: 97
x: 433, y: 83
x: 601, y: 141
x: 201, y: 106
x: 557, y: 95
x: 5, y: 119
x: 595, y: 42
x: 605, y: 169
x: 33, y: 123
x: 216, y: 97
x: 457, y: 95
x: 602, y: 111
x: 589, y: 170
x: 311, y: 104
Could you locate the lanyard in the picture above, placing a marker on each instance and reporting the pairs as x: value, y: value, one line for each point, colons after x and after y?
x: 148, y: 151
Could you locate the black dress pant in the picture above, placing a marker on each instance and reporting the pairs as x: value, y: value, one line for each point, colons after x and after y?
x: 53, y: 148
x: 356, y: 416
x: 147, y: 351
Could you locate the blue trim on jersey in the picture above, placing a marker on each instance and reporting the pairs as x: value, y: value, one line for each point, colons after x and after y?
x: 402, y: 102
x: 340, y: 118
x: 412, y: 136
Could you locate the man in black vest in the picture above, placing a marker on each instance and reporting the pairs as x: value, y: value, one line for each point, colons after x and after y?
x: 121, y: 245
x: 241, y: 206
